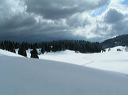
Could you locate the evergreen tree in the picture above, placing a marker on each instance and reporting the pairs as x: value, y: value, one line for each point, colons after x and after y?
x: 22, y: 51
x: 34, y: 53
x: 43, y: 50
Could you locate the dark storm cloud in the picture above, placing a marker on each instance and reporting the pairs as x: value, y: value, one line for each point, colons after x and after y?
x: 118, y: 22
x: 57, y: 9
x: 24, y: 27
x: 38, y: 20
x: 113, y: 16
x: 16, y: 27
x: 121, y: 27
x: 17, y: 22
x: 19, y: 18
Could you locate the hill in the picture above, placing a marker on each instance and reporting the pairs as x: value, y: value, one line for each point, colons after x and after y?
x: 121, y: 40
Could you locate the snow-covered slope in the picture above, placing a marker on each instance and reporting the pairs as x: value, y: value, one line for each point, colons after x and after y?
x: 7, y: 53
x: 21, y: 76
x: 112, y: 61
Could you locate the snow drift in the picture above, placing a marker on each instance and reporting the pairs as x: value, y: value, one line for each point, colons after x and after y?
x: 21, y: 76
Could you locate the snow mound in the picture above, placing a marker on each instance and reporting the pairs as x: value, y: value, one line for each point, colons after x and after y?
x: 20, y: 76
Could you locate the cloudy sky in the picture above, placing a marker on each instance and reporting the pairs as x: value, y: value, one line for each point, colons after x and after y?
x: 39, y: 20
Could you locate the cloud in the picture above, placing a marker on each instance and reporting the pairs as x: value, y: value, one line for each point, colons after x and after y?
x: 38, y: 20
x: 116, y: 17
x: 113, y: 16
x: 61, y: 8
x: 121, y: 27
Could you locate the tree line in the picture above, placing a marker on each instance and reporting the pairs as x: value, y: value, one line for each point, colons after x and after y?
x: 53, y: 46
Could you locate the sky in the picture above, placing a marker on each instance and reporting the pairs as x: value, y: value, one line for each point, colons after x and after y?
x: 46, y: 20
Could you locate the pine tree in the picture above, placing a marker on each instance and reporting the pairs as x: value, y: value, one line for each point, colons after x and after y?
x: 22, y: 51
x: 34, y: 53
x: 43, y: 50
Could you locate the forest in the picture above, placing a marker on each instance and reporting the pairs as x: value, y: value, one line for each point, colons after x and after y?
x: 52, y: 46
